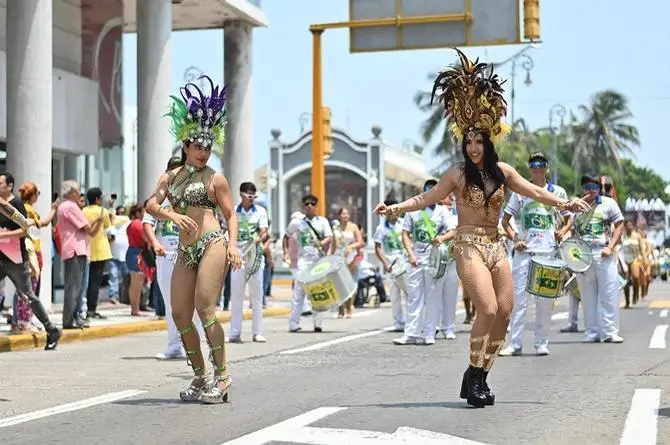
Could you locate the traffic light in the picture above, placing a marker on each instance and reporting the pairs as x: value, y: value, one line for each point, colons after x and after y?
x: 531, y: 19
x: 327, y: 133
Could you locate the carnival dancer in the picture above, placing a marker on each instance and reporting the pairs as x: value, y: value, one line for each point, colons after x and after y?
x: 390, y: 250
x: 253, y: 230
x: 163, y: 239
x: 473, y: 98
x: 204, y: 252
x: 537, y: 236
x: 599, y: 285
x: 647, y: 254
x: 420, y: 228
x: 631, y: 257
x: 314, y: 236
x: 441, y: 306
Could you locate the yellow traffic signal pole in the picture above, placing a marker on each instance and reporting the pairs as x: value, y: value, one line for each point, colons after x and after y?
x: 318, y: 167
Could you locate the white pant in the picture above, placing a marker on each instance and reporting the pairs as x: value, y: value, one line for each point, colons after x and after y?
x: 419, y: 283
x: 307, y: 305
x: 164, y: 268
x: 441, y: 302
x: 543, y: 306
x: 573, y: 310
x: 298, y: 299
x: 398, y: 309
x: 237, y: 293
x: 599, y: 288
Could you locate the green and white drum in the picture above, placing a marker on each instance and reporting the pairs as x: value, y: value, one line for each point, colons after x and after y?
x: 576, y: 254
x: 545, y: 277
x: 253, y: 260
x: 438, y: 261
x: 327, y: 283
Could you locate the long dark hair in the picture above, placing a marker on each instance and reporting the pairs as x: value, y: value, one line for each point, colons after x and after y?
x: 490, y: 169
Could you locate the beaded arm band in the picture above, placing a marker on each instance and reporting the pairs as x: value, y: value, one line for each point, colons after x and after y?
x: 562, y: 205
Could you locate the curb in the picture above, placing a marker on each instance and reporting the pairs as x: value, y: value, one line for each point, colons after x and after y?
x: 21, y: 342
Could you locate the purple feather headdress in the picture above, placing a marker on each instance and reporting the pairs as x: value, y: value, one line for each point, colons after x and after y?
x: 198, y: 118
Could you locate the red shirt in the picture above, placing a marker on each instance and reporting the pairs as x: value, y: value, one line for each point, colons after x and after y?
x: 135, y: 233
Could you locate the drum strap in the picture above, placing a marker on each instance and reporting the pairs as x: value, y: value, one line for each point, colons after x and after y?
x: 430, y: 226
x: 313, y: 229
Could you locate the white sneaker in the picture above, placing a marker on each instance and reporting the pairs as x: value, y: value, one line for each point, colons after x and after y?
x: 171, y: 355
x: 258, y: 338
x: 510, y: 351
x: 429, y: 341
x: 450, y: 335
x: 613, y: 339
x: 542, y: 350
x: 405, y: 340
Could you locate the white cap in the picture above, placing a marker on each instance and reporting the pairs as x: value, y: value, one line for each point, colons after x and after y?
x: 297, y: 215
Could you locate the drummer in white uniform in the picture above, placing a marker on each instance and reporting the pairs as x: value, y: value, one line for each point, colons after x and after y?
x: 391, y: 253
x: 539, y: 231
x: 599, y: 286
x: 253, y: 229
x: 311, y: 246
x: 442, y: 300
x: 419, y: 230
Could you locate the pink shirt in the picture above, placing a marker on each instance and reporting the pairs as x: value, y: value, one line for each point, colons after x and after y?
x: 71, y: 221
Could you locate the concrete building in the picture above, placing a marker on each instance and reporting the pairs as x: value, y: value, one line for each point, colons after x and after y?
x: 61, y: 90
x: 359, y: 174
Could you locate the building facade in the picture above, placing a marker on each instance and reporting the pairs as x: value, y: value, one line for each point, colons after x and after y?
x: 61, y: 90
x: 359, y: 174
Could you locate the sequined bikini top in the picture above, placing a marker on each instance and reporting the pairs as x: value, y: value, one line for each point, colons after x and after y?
x: 473, y: 197
x: 189, y: 189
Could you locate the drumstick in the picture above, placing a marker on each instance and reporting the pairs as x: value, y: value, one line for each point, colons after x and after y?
x: 12, y: 213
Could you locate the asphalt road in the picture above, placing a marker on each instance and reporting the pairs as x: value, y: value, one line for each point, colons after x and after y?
x: 348, y: 385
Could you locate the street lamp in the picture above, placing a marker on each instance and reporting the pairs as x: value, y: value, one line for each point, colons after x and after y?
x: 192, y: 75
x: 526, y: 62
x: 560, y: 111
x: 303, y: 120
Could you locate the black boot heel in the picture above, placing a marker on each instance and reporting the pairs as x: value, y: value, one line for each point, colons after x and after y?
x: 464, y: 385
x: 474, y: 387
x: 490, y: 397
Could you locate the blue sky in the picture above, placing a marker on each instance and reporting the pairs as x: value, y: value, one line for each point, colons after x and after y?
x: 587, y: 46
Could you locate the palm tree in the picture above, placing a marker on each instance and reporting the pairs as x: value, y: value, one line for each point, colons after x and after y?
x: 604, y: 135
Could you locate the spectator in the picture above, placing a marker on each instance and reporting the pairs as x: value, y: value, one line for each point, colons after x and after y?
x: 74, y: 229
x: 99, y: 252
x: 133, y: 257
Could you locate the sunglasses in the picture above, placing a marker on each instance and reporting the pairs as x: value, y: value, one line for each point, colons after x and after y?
x: 309, y: 204
x: 537, y: 164
x: 591, y: 186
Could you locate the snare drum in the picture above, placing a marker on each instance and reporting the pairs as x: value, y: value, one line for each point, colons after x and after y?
x: 576, y: 254
x: 327, y: 283
x: 545, y: 277
x: 438, y: 261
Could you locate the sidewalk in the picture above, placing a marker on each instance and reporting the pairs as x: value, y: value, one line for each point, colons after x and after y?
x: 119, y: 323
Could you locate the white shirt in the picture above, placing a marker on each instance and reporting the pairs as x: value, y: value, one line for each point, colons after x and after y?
x: 167, y: 232
x: 423, y: 226
x: 306, y: 237
x: 250, y: 222
x: 119, y: 245
x: 596, y: 230
x: 389, y: 236
x: 536, y: 221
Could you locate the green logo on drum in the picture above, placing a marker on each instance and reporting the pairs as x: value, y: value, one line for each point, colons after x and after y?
x: 320, y: 268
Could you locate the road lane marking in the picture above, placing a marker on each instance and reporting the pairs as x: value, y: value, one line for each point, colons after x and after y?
x: 658, y: 337
x: 560, y: 316
x: 664, y: 313
x: 336, y: 341
x: 68, y: 407
x: 641, y: 426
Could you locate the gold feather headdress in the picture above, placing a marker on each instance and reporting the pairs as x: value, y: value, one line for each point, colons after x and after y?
x: 473, y: 100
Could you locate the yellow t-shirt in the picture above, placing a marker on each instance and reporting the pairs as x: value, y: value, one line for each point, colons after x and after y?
x: 99, y: 244
x: 32, y: 214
